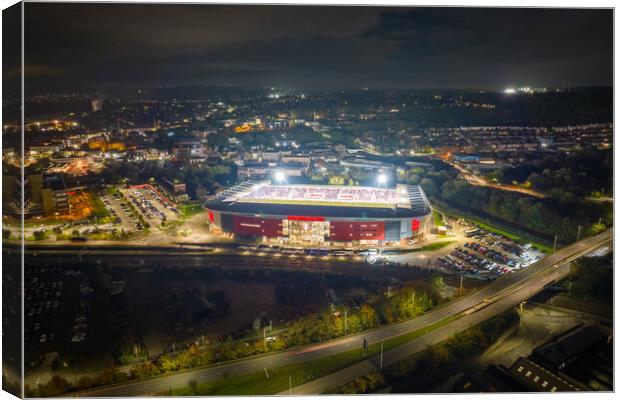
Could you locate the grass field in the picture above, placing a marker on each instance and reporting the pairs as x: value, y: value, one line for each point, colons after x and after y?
x: 257, y: 383
x: 438, y: 218
x: 435, y: 246
x: 502, y: 231
x: 98, y: 208
x: 50, y: 221
x: 319, y: 203
x: 513, y: 236
x: 189, y: 210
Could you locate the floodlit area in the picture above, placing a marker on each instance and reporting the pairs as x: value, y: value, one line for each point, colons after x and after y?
x: 78, y: 166
x: 488, y: 253
x: 334, y: 195
x: 152, y: 204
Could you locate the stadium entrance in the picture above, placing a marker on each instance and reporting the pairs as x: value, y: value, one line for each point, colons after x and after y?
x: 305, y: 230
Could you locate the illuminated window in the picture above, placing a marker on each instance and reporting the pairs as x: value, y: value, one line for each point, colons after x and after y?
x: 545, y: 383
x: 554, y: 389
x: 528, y: 373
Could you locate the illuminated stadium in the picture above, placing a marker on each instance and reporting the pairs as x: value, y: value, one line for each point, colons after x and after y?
x: 314, y: 214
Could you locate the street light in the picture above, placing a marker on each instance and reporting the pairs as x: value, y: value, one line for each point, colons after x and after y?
x: 382, y: 179
x: 280, y: 176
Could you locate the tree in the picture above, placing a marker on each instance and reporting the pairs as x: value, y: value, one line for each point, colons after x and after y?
x: 145, y: 369
x: 368, y: 317
x: 429, y: 187
x: 226, y: 349
x: 168, y: 364
x: 595, y: 229
x: 354, y: 323
x: 437, y: 281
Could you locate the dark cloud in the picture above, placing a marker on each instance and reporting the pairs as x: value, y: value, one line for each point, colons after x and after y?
x: 135, y: 44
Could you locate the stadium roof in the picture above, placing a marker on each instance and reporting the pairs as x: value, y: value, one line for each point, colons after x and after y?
x: 313, y: 200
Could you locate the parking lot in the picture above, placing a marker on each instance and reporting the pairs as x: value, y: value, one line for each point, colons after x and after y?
x: 490, y: 254
x: 119, y: 208
x: 154, y: 207
x: 55, y: 314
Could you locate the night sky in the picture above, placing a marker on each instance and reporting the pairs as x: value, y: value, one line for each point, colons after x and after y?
x: 106, y: 45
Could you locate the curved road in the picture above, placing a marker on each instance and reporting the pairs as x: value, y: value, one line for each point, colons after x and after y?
x: 505, y: 292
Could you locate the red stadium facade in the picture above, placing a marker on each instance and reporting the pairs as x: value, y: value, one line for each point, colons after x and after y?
x: 311, y: 223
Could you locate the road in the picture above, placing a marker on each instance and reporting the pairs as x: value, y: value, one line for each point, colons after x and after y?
x: 504, y: 299
x: 500, y: 295
x: 133, y: 258
x: 478, y: 181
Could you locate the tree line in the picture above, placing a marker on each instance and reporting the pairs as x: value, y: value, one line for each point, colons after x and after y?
x: 382, y: 308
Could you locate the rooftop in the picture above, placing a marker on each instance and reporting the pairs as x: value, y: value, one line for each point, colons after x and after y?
x: 265, y: 192
x: 339, y: 201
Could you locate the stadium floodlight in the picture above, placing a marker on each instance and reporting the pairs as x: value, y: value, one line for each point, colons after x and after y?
x: 382, y: 179
x: 280, y: 176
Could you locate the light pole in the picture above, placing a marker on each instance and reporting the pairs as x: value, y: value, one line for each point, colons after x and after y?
x: 555, y: 242
x: 345, y: 322
x: 265, y: 337
x: 578, y: 232
x: 290, y: 386
x: 382, y: 180
x: 461, y: 286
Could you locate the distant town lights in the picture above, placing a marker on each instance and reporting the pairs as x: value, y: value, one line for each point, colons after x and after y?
x: 510, y: 91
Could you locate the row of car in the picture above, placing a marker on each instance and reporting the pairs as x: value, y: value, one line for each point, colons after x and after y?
x: 43, y: 300
x: 130, y: 214
x: 117, y: 219
x: 145, y: 205
x: 163, y: 201
x: 502, y: 243
x: 455, y: 264
x: 463, y: 260
x: 80, y: 321
x: 488, y: 252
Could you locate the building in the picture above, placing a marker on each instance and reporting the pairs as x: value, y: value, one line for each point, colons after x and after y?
x: 54, y: 195
x: 313, y: 214
x: 189, y: 151
x: 580, y: 359
x: 465, y: 158
x: 43, y: 194
x: 366, y: 164
x: 255, y: 170
x: 175, y: 188
x: 43, y: 150
x: 96, y: 104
